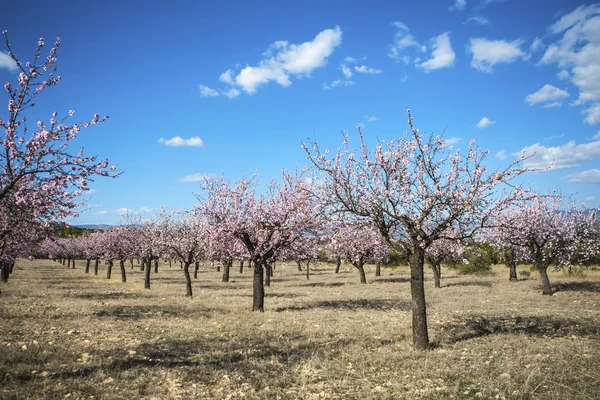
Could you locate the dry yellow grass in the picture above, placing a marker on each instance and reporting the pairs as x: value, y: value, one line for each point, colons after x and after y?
x: 64, y: 334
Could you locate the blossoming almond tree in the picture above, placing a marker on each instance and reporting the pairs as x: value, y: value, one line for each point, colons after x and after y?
x: 356, y: 244
x: 37, y: 167
x: 263, y: 223
x: 413, y: 189
x: 542, y: 232
x: 451, y: 248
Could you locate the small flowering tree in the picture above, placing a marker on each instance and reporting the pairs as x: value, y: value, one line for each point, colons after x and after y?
x: 542, y: 232
x: 356, y: 244
x: 450, y: 248
x: 265, y: 223
x: 413, y: 189
x: 183, y: 235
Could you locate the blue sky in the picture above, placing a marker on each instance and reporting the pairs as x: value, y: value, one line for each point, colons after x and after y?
x: 209, y: 87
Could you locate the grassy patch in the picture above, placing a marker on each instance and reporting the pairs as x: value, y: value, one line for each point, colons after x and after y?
x: 64, y: 334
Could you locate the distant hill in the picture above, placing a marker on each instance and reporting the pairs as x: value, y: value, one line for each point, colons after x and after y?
x: 92, y: 226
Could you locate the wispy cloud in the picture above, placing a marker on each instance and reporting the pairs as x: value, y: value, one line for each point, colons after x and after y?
x: 577, y: 54
x: 477, y: 19
x: 452, y: 140
x: 205, y: 91
x: 7, y: 62
x: 195, y: 177
x: 458, y: 5
x: 346, y: 71
x: 589, y: 176
x: 338, y: 83
x: 282, y: 61
x: 485, y: 122
x: 371, y: 118
x: 178, y: 141
x: 363, y: 69
x: 487, y: 53
x: 501, y: 155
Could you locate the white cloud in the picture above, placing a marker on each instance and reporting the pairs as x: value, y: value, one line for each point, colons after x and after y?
x: 101, y: 212
x: 124, y: 211
x: 487, y: 53
x: 363, y: 69
x: 350, y: 60
x: 589, y: 176
x: 485, y: 123
x: 568, y: 155
x: 290, y: 59
x: 402, y: 40
x: 205, y: 91
x: 452, y: 140
x: 562, y: 135
x: 178, y: 141
x: 346, y: 71
x: 478, y: 19
x: 442, y: 54
x: 548, y: 93
x: 338, y: 83
x: 554, y: 104
x: 403, y: 78
x: 195, y: 177
x: 596, y: 136
x: 371, y: 118
x: 231, y: 93
x: 458, y: 5
x: 563, y: 74
x: 578, y: 52
x: 591, y: 198
x: 501, y: 155
x: 7, y: 62
x: 536, y: 44
x: 282, y: 60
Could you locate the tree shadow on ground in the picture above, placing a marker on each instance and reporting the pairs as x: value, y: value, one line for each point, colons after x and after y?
x: 545, y: 326
x: 200, y: 359
x: 577, y: 287
x: 355, y: 304
x: 391, y: 280
x: 141, y: 312
x: 322, y: 284
x: 468, y: 283
x: 109, y: 296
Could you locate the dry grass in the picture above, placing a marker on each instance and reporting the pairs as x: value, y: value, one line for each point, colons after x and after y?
x: 64, y: 334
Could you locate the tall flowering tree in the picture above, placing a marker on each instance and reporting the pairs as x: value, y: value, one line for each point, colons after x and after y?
x: 37, y: 167
x: 356, y: 244
x: 413, y: 189
x: 263, y: 223
x: 541, y: 231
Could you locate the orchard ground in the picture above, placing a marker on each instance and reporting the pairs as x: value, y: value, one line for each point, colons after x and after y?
x: 65, y: 334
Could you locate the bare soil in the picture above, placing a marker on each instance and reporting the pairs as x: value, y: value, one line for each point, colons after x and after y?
x: 65, y: 334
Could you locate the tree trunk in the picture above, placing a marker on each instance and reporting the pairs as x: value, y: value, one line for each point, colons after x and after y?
x: 241, y: 266
x: 188, y: 281
x: 96, y: 262
x: 299, y: 264
x: 69, y: 262
x: 63, y: 261
x: 109, y: 269
x: 147, y: 273
x: 73, y: 263
x: 437, y: 274
x: 417, y: 291
x: 170, y: 264
x: 258, y: 289
x: 546, y: 288
x: 361, y: 271
x: 272, y: 269
x: 512, y: 265
x: 268, y: 275
x: 131, y: 262
x: 156, y: 265
x: 378, y: 268
x: 87, y: 265
x: 123, y: 275
x: 143, y: 264
x: 338, y: 264
x: 226, y: 268
x: 308, y: 271
x: 3, y: 273
x: 196, y: 268
x: 11, y: 267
